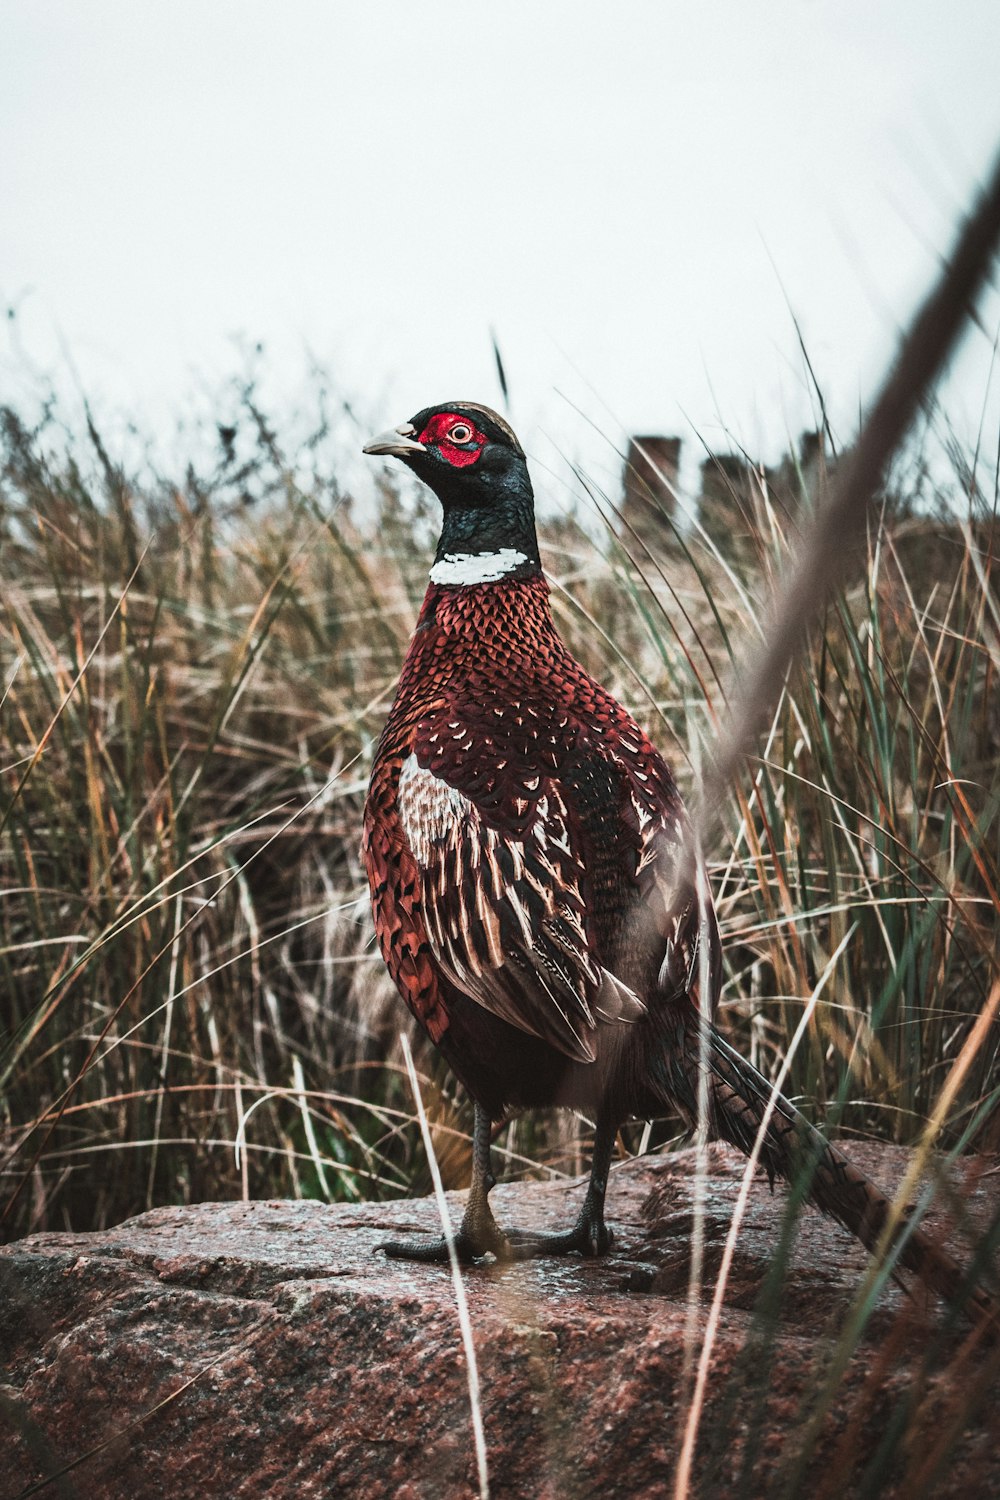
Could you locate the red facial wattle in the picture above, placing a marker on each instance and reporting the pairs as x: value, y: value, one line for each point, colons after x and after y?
x: 443, y: 432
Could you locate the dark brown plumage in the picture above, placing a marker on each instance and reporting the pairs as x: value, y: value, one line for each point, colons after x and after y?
x: 528, y: 857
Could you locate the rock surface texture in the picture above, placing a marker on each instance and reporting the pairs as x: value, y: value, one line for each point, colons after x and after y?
x: 263, y: 1349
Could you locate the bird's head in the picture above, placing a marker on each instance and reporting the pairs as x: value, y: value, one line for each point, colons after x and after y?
x: 470, y: 458
x: 465, y: 452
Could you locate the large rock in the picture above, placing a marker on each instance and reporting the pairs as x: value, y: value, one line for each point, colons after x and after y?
x: 264, y: 1349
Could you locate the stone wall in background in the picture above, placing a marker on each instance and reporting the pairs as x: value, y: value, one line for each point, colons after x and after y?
x: 731, y: 491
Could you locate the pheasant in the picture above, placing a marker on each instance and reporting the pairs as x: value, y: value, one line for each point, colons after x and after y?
x: 528, y: 857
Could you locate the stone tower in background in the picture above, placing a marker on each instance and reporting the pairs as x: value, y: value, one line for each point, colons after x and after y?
x: 652, y: 469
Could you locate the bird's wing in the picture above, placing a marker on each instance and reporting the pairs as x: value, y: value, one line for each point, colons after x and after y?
x: 505, y: 907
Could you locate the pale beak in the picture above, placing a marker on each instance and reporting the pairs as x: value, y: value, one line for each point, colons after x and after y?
x: 398, y: 442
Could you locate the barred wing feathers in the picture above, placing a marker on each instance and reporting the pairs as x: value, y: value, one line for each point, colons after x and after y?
x: 528, y: 889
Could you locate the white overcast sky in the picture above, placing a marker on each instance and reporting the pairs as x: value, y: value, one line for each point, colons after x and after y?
x: 633, y: 195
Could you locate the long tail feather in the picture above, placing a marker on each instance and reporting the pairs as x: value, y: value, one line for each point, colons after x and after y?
x: 738, y: 1098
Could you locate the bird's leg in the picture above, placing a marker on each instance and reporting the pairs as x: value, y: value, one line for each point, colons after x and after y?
x: 590, y: 1235
x: 479, y: 1233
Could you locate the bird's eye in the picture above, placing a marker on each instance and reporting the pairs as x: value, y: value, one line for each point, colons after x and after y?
x: 460, y: 433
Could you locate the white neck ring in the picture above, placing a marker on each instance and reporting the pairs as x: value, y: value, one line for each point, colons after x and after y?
x: 476, y: 567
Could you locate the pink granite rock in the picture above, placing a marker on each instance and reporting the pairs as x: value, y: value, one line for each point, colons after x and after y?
x: 265, y: 1349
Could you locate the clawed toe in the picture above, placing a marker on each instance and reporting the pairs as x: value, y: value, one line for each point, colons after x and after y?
x: 595, y: 1239
x: 433, y: 1250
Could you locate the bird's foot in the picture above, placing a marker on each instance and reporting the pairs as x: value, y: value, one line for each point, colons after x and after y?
x: 478, y: 1237
x: 589, y: 1237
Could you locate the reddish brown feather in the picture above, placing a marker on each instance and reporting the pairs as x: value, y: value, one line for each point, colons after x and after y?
x: 561, y: 864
